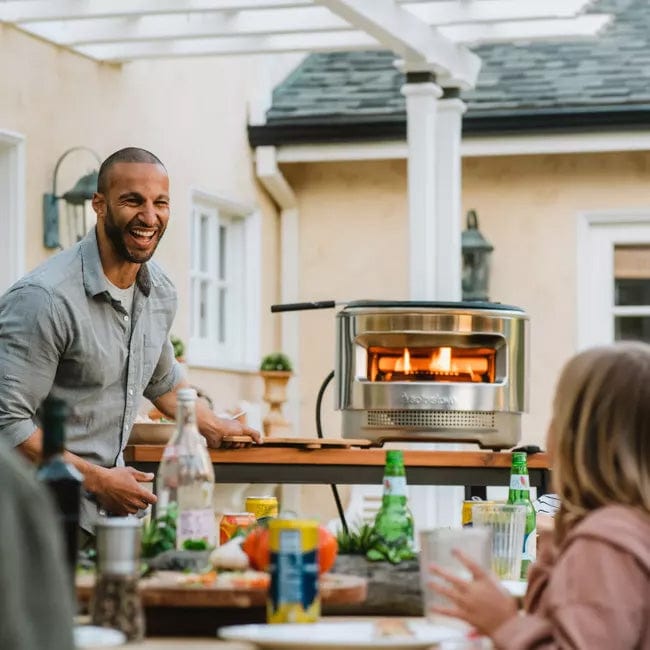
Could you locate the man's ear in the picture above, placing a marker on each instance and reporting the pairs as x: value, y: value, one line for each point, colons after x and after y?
x: 99, y: 205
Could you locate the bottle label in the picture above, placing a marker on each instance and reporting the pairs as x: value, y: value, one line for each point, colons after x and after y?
x: 195, y: 525
x: 519, y: 482
x: 395, y: 486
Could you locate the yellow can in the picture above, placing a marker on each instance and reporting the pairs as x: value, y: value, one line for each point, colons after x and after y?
x: 293, y: 595
x: 262, y: 507
x: 466, y: 515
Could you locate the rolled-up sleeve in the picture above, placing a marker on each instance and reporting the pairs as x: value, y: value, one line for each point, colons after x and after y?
x: 167, y: 374
x: 31, y: 343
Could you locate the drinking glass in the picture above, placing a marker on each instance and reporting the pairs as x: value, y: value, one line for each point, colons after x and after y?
x: 436, y: 547
x: 507, y: 523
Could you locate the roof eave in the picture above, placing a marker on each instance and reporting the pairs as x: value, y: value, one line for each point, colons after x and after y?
x: 375, y: 128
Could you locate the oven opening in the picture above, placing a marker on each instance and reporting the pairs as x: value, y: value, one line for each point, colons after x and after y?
x: 439, y: 364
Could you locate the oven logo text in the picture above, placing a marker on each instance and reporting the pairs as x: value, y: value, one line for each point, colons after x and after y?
x: 428, y: 400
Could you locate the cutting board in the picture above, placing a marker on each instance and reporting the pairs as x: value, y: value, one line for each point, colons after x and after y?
x: 304, y: 443
x: 164, y: 590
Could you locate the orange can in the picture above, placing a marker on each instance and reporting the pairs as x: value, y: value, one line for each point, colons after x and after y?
x: 233, y: 523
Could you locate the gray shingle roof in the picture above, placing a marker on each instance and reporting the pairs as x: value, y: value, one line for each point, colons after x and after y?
x: 608, y: 72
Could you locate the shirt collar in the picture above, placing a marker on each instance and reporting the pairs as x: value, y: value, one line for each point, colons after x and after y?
x: 93, y: 273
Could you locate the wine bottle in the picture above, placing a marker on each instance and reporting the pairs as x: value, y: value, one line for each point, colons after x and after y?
x: 63, y: 480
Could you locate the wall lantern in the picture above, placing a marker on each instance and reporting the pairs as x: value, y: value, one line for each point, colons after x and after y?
x: 76, y: 201
x: 476, y: 260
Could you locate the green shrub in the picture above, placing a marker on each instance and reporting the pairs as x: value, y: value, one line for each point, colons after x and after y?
x: 276, y: 361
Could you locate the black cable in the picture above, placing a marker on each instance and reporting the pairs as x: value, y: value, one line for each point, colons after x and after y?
x: 319, y: 432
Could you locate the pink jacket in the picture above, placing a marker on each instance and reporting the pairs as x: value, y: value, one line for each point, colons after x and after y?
x: 593, y: 593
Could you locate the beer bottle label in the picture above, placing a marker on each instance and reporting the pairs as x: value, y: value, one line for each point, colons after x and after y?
x: 395, y: 486
x: 530, y: 546
x: 519, y: 482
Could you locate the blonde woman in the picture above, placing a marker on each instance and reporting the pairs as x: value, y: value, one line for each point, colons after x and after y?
x: 590, y: 588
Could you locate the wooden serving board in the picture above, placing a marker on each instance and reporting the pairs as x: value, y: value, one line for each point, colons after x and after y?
x: 304, y: 443
x: 164, y: 590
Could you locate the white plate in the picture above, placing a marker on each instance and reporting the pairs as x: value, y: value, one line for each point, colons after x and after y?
x: 516, y: 588
x: 324, y: 636
x: 93, y: 636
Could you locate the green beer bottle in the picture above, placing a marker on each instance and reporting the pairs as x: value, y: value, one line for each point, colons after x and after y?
x: 394, y: 521
x: 519, y: 494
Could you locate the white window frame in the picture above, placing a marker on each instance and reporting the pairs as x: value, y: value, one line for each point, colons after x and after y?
x: 597, y: 235
x: 12, y: 207
x: 241, y: 349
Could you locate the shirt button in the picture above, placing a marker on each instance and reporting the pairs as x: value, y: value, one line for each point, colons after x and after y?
x: 130, y: 391
x: 126, y: 317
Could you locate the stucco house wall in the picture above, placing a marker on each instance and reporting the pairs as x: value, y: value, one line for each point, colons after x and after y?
x: 353, y: 243
x: 192, y: 113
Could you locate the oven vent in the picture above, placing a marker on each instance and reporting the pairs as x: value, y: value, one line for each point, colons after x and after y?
x: 432, y: 419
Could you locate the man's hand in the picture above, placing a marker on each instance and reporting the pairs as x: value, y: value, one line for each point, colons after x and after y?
x: 118, y: 490
x: 214, y: 429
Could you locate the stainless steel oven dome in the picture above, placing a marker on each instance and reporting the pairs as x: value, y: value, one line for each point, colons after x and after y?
x: 432, y: 371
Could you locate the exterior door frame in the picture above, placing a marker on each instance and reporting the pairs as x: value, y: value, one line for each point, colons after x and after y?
x: 597, y: 234
x: 12, y: 207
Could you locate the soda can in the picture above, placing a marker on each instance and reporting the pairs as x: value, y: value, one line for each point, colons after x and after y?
x: 466, y: 515
x: 293, y: 595
x: 233, y: 523
x: 262, y: 507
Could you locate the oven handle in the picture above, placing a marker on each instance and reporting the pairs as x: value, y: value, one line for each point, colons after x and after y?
x: 300, y: 306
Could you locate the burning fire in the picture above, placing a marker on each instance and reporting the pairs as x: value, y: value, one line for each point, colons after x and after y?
x: 444, y: 363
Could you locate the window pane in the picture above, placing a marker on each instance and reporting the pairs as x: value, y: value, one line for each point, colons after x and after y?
x: 222, y: 315
x: 203, y: 311
x: 632, y: 292
x: 203, y: 242
x: 222, y: 252
x: 632, y: 328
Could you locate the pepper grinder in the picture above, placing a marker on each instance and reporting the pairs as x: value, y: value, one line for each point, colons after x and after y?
x: 116, y: 600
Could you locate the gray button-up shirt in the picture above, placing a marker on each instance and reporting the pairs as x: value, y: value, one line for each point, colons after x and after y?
x: 62, y: 334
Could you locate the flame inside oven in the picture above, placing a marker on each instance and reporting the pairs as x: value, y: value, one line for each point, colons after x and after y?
x: 445, y: 363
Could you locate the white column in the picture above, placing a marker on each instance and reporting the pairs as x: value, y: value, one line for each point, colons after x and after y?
x: 448, y: 215
x: 421, y: 98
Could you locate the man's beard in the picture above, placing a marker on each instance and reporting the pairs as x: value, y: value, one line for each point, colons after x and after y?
x: 116, y: 237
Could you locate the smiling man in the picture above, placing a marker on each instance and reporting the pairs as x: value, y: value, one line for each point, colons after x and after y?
x: 91, y: 326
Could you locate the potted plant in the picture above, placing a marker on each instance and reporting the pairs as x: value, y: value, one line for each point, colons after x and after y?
x: 276, y: 370
x: 179, y: 348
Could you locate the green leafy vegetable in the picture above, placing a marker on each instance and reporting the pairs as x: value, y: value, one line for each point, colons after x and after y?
x: 365, y: 540
x: 159, y: 534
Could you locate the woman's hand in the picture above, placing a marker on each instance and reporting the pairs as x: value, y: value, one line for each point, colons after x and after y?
x: 481, y: 601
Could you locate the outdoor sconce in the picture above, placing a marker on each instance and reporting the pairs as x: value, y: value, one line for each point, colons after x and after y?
x: 476, y: 260
x: 75, y: 201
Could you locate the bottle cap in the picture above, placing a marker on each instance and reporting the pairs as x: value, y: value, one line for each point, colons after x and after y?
x: 186, y: 394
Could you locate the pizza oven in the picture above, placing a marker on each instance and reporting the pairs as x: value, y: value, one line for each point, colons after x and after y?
x: 432, y: 371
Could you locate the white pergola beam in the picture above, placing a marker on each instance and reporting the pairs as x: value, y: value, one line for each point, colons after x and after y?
x: 22, y: 11
x: 151, y: 28
x: 527, y: 30
x: 450, y: 12
x: 276, y: 21
x: 418, y: 43
x: 317, y: 42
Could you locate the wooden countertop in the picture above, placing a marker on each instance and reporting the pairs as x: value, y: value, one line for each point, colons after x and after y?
x: 266, y: 454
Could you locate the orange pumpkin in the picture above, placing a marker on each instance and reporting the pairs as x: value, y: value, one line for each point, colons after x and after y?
x: 256, y: 546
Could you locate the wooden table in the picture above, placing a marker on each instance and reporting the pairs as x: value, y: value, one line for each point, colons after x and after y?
x: 175, y: 608
x: 268, y: 464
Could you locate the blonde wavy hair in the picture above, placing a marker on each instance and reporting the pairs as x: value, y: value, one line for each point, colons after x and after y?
x: 599, y: 435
